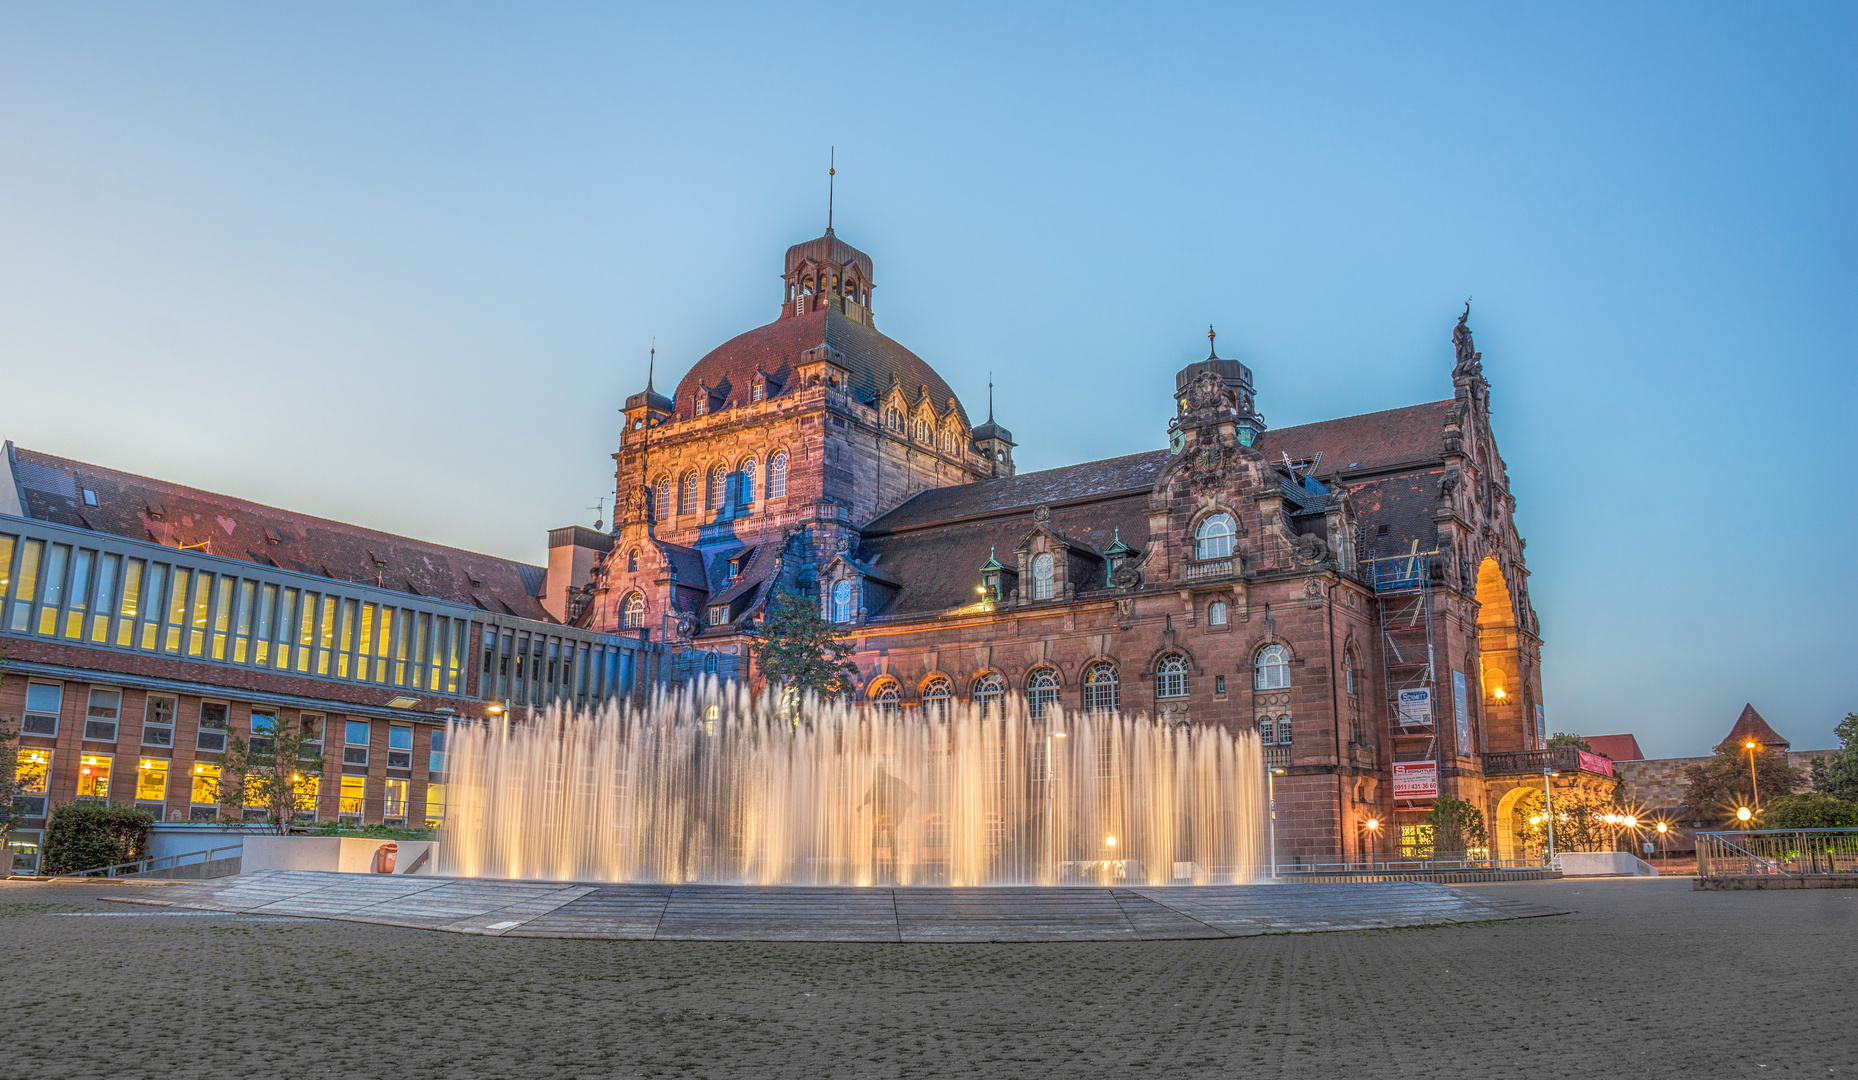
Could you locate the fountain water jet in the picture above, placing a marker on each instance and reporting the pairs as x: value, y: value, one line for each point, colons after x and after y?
x: 712, y: 785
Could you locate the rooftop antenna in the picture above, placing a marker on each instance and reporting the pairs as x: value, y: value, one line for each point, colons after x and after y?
x: 990, y: 397
x: 598, y: 508
x: 832, y: 170
x: 651, y: 364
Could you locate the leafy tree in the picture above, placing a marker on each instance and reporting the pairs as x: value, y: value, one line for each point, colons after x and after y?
x: 278, y: 772
x: 1457, y: 825
x: 1720, y: 785
x: 1580, y: 821
x: 1809, y: 810
x: 1562, y: 738
x: 799, y: 650
x: 87, y: 835
x: 1837, y: 775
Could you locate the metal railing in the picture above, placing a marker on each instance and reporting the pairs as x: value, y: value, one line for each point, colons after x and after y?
x: 1390, y: 862
x: 164, y: 862
x: 1778, y: 853
x: 1400, y: 573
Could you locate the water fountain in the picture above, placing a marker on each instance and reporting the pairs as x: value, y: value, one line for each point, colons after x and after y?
x: 714, y: 785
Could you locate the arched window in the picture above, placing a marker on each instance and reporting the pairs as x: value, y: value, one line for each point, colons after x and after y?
x: 1171, y: 677
x: 777, y: 475
x: 632, y: 614
x: 719, y: 487
x: 1213, y: 539
x: 710, y: 664
x: 886, y: 698
x: 842, y: 602
x: 950, y: 441
x: 922, y: 431
x: 1102, y: 690
x: 1267, y: 730
x: 937, y: 694
x: 1042, y: 577
x: 632, y: 561
x: 745, y: 484
x: 661, y: 489
x: 1283, y: 731
x: 1041, y: 692
x: 1216, y: 613
x: 687, y: 493
x: 1271, y: 671
x: 893, y: 419
x: 989, y: 694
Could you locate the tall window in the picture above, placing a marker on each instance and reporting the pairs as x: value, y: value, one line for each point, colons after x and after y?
x: 758, y: 391
x: 687, y: 493
x: 922, y: 431
x: 1213, y: 539
x: 1216, y: 613
x: 842, y: 602
x: 632, y: 615
x: 777, y: 475
x: 1102, y: 691
x: 989, y: 694
x: 1042, y: 577
x: 661, y: 490
x: 1171, y: 677
x: 893, y: 419
x: 702, y: 402
x: 632, y: 561
x: 888, y: 700
x: 951, y: 442
x: 1283, y: 731
x: 1272, y: 669
x: 937, y: 693
x: 1041, y: 692
x: 745, y: 484
x: 1354, y: 702
x: 1267, y: 730
x: 719, y: 487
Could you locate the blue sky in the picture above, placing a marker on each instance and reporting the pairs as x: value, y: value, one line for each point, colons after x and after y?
x: 399, y: 265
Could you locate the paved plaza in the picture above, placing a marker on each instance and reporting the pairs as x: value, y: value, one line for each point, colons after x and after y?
x: 1643, y: 978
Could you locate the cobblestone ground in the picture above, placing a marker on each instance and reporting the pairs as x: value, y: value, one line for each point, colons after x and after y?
x: 1647, y: 979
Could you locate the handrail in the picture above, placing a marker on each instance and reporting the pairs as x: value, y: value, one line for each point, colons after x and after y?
x: 147, y: 865
x: 1786, y: 853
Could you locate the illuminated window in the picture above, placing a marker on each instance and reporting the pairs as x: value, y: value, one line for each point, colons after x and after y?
x: 158, y: 721
x: 44, y: 703
x: 777, y: 475
x: 1271, y: 671
x: 212, y: 733
x: 1041, y: 692
x: 1102, y: 690
x: 151, y: 780
x: 206, y: 785
x: 887, y: 700
x: 842, y: 602
x: 937, y: 694
x: 354, y: 796
x: 1216, y: 613
x: 93, y: 776
x: 34, y: 766
x: 30, y: 551
x: 54, y: 589
x: 989, y: 694
x: 393, y: 801
x: 107, y: 569
x: 633, y: 616
x: 1042, y: 577
x: 101, y: 717
x: 1171, y: 677
x: 435, y: 805
x: 1213, y: 539
x: 80, y: 593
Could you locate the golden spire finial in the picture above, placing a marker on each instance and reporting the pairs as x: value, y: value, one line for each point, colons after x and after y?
x: 1210, y: 354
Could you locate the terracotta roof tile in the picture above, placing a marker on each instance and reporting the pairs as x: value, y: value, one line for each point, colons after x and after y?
x: 1750, y: 725
x: 1617, y: 747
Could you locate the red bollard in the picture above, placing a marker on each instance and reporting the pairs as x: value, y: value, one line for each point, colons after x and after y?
x: 384, y: 857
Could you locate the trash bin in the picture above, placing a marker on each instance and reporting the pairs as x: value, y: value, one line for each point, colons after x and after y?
x: 384, y: 857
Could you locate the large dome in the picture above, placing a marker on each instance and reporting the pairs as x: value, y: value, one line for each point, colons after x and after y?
x: 729, y: 369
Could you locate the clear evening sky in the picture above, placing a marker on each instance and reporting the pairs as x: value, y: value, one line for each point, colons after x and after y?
x: 399, y: 264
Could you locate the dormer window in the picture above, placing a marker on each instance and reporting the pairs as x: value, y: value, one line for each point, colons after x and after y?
x: 719, y: 614
x: 842, y: 602
x: 1043, y: 577
x: 703, y: 402
x: 1213, y: 539
x: 922, y: 431
x: 759, y: 391
x: 893, y: 419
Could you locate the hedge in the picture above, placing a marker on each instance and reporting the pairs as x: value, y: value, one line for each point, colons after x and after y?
x: 84, y: 836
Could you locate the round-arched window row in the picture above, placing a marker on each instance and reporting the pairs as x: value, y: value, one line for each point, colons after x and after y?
x: 1171, y: 676
x: 1213, y: 538
x: 989, y: 694
x: 1271, y: 670
x: 1041, y: 692
x: 1102, y: 689
x: 632, y: 612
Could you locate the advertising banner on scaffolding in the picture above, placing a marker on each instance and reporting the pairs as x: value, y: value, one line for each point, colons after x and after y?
x: 1416, y: 707
x: 1415, y: 780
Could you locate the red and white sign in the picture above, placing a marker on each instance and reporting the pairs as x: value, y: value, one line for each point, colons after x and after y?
x: 1415, y: 779
x: 1594, y: 763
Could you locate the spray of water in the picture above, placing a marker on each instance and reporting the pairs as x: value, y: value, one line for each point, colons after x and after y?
x: 710, y: 784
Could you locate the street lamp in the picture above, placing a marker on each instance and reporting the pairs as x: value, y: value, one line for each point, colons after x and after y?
x: 1548, y: 811
x: 1664, y: 831
x: 1271, y: 799
x: 1752, y: 782
x: 1373, y: 826
x: 1743, y: 814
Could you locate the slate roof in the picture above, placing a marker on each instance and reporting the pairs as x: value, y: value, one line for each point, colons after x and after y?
x: 1750, y: 725
x: 1046, y: 487
x: 1369, y: 442
x: 142, y: 508
x: 872, y: 358
x: 1616, y: 747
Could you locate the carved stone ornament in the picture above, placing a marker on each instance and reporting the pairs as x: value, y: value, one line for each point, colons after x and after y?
x: 1125, y: 608
x: 1042, y: 516
x: 1313, y: 589
x: 1308, y: 549
x: 1208, y: 398
x: 638, y: 504
x: 1126, y: 577
x: 1207, y: 465
x: 1448, y: 483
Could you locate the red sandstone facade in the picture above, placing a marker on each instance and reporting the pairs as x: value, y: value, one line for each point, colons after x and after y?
x: 1300, y: 582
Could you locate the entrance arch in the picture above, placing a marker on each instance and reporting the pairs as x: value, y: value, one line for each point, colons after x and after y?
x: 1500, y: 661
x: 1503, y: 839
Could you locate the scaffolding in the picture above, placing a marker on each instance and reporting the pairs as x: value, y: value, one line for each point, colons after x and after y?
x: 1403, y: 585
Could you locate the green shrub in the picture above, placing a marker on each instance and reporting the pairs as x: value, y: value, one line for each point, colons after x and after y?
x: 1809, y: 810
x: 84, y: 836
x: 371, y: 832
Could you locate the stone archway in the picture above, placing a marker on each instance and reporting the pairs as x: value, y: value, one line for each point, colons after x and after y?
x: 1504, y: 842
x: 1499, y: 660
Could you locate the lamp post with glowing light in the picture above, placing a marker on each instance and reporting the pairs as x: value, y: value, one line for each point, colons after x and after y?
x: 1548, y: 813
x: 1373, y: 825
x: 1664, y: 832
x: 1753, y: 783
x: 1271, y: 812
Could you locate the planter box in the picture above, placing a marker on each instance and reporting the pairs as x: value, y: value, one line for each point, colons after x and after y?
x: 332, y: 854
